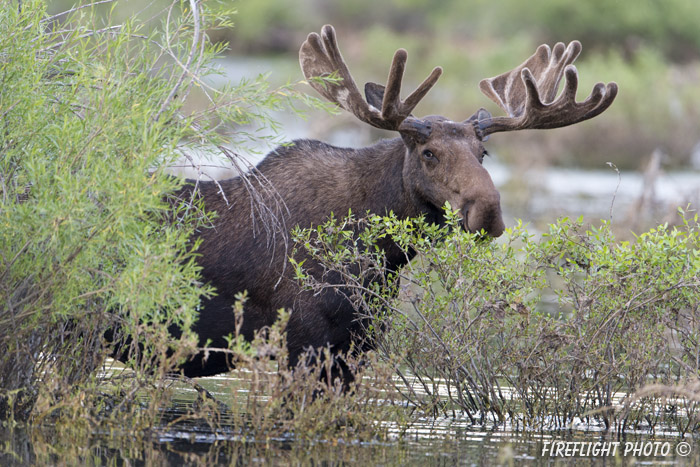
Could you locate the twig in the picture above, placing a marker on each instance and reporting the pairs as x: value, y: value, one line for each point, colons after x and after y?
x: 193, y: 50
x: 619, y: 180
x: 74, y: 9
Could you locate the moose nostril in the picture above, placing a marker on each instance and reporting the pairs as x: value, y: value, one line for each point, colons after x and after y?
x: 467, y: 207
x: 465, y: 217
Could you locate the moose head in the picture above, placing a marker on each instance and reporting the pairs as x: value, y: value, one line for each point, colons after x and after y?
x: 443, y: 159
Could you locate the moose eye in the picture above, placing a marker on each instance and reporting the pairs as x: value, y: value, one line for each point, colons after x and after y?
x: 428, y: 155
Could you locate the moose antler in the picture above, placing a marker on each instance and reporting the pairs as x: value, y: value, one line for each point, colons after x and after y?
x: 319, y: 56
x: 528, y: 93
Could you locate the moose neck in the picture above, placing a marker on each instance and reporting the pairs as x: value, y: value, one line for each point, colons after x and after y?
x: 379, y: 172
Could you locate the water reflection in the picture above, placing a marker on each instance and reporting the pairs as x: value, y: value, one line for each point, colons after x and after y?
x: 440, y: 440
x: 430, y: 442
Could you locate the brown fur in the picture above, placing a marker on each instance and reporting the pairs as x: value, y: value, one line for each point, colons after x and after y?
x: 314, y: 180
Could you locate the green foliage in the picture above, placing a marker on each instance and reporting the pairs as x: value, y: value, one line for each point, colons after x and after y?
x: 470, y: 314
x: 84, y: 237
x: 91, y: 236
x: 666, y: 25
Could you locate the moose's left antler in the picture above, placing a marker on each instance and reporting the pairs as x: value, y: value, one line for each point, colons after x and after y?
x: 528, y: 93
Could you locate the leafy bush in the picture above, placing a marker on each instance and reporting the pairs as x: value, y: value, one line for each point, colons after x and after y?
x: 469, y: 314
x: 91, y: 119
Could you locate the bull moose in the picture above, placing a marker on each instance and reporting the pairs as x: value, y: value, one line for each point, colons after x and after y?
x: 433, y: 161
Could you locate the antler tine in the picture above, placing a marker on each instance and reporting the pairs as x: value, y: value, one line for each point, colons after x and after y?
x: 320, y: 56
x: 419, y: 93
x: 392, y: 106
x: 528, y: 93
x: 391, y: 103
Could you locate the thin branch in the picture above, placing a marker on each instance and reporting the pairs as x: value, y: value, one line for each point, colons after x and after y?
x: 186, y: 68
x: 74, y: 9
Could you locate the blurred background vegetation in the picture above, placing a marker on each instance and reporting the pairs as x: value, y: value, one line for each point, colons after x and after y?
x: 650, y: 47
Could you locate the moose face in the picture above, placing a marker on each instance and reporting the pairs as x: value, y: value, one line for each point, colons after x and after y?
x: 446, y: 166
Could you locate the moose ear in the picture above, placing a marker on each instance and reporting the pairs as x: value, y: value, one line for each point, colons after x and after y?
x: 374, y: 93
x: 480, y: 120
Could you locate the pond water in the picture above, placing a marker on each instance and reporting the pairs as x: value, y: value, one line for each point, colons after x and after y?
x: 440, y: 440
x: 433, y: 441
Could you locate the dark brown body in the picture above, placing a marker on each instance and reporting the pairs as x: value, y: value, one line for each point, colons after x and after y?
x: 314, y: 180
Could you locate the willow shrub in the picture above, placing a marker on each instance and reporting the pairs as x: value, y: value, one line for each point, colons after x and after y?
x: 91, y: 115
x: 538, y: 332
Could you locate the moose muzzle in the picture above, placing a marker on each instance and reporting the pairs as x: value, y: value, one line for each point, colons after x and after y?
x: 485, y: 215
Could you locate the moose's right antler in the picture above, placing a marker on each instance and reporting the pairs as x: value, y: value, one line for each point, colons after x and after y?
x: 319, y: 56
x: 528, y: 93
